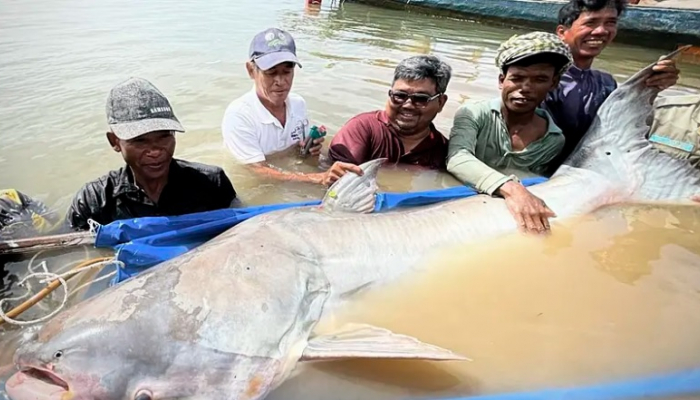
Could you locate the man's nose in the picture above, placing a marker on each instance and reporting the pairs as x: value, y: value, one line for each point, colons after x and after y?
x: 600, y: 30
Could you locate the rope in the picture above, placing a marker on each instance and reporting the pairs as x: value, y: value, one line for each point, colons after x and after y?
x: 55, y: 280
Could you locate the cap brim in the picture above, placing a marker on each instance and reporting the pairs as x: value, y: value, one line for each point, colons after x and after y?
x: 130, y: 130
x: 270, y: 60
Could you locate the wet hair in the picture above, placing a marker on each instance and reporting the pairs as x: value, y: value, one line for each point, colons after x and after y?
x: 555, y: 60
x: 424, y: 67
x: 573, y: 9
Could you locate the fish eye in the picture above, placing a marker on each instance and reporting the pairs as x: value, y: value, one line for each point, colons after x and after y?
x: 58, y: 354
x: 143, y: 395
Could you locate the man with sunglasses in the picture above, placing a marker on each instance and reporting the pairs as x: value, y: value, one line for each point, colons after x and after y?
x: 403, y: 132
x: 270, y: 118
x: 493, y: 143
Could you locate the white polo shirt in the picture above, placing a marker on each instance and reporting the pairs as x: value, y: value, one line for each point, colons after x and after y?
x: 251, y: 132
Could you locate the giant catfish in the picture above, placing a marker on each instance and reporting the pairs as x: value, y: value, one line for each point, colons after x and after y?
x: 231, y: 318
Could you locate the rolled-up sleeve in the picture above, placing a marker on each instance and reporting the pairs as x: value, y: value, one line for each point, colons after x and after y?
x: 461, y: 159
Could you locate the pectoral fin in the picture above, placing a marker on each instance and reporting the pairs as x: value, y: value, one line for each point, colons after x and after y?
x: 353, y: 193
x: 367, y: 341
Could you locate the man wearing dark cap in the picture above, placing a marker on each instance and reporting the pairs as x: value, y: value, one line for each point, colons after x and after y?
x: 269, y: 118
x: 152, y: 183
x: 495, y: 143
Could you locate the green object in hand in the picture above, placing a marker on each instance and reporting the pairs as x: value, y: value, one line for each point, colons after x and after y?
x: 314, y: 133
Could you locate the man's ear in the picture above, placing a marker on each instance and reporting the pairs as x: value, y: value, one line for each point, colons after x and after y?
x: 501, y: 78
x: 442, y: 101
x: 114, y: 142
x: 555, y: 81
x: 250, y: 67
x: 561, y: 31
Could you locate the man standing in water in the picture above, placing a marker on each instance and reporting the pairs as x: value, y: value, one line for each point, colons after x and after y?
x: 403, y: 132
x: 270, y: 119
x: 587, y: 27
x: 152, y: 183
x: 493, y: 143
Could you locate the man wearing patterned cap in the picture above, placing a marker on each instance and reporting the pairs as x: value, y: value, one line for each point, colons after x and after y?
x: 496, y: 142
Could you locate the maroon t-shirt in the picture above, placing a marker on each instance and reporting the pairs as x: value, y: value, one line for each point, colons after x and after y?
x: 369, y: 136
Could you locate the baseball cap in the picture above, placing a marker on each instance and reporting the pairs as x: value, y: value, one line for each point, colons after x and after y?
x: 272, y: 47
x: 136, y: 107
x: 520, y: 47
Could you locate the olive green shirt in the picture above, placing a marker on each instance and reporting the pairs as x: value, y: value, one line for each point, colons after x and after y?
x: 480, y: 152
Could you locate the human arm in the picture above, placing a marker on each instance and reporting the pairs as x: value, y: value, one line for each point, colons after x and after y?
x: 461, y: 154
x: 241, y: 140
x: 529, y: 211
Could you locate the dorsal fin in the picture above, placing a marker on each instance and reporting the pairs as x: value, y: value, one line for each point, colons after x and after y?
x: 354, y: 193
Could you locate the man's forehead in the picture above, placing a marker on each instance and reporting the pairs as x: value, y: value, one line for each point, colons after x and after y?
x: 605, y: 13
x: 534, y: 69
x: 425, y: 85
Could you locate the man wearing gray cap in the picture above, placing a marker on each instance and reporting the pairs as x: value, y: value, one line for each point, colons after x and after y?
x: 152, y: 183
x: 269, y: 118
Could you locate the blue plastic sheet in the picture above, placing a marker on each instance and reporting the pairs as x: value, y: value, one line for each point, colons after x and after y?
x: 681, y: 383
x: 144, y: 242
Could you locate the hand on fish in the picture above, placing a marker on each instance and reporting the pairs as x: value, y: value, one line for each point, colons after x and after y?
x: 315, y: 149
x: 530, y: 212
x: 665, y: 75
x: 337, y: 170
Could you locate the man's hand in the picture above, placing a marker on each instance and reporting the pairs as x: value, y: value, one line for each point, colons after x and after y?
x: 337, y: 170
x: 315, y: 149
x: 696, y: 198
x: 529, y: 211
x: 665, y: 75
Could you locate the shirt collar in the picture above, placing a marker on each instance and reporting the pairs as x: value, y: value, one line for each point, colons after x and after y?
x: 263, y: 114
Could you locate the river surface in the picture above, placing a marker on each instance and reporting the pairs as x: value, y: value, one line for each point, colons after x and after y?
x: 611, y: 296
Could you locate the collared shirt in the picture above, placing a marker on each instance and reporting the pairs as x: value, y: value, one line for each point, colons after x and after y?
x: 481, y: 152
x: 251, y: 132
x: 676, y: 127
x: 574, y: 104
x: 370, y: 135
x: 192, y: 187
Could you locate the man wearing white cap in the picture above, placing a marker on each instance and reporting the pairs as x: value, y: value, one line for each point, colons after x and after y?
x: 269, y: 118
x: 152, y: 183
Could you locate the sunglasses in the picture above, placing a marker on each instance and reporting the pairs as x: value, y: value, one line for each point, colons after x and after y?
x: 419, y: 100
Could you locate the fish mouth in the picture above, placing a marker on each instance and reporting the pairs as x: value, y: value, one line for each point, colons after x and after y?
x: 36, y: 383
x: 45, y: 376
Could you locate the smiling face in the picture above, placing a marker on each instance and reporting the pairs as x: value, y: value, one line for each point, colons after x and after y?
x: 414, y: 117
x: 589, y: 34
x: 523, y: 88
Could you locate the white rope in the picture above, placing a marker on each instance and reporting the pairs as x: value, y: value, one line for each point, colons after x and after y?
x: 49, y: 277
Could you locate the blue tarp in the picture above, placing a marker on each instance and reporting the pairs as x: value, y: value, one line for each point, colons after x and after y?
x: 144, y: 242
x: 681, y: 383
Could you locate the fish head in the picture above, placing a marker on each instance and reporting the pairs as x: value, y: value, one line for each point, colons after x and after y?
x: 235, y: 330
x: 65, y: 366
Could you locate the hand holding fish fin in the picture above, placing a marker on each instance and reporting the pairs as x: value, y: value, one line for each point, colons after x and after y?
x: 354, y: 193
x: 367, y: 341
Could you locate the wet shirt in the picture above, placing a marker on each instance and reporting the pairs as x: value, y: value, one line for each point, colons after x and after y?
x: 574, y: 104
x: 192, y: 187
x: 370, y: 135
x: 481, y: 153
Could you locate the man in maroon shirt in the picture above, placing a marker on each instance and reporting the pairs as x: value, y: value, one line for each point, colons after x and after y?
x: 403, y: 132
